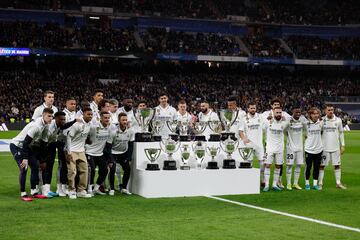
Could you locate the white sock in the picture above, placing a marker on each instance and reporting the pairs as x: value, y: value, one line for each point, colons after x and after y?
x: 276, y: 176
x: 307, y: 182
x: 321, y: 176
x: 288, y: 174
x: 297, y: 172
x: 118, y: 172
x: 23, y: 194
x: 96, y: 187
x: 338, y: 176
x: 315, y: 182
x: 266, y: 176
x: 90, y: 188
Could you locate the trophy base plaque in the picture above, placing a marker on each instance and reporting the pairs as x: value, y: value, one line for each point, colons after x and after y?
x: 156, y: 138
x: 215, y: 138
x: 174, y: 137
x: 185, y: 167
x: 212, y: 165
x: 229, y: 164
x: 245, y: 165
x: 169, y: 165
x: 152, y: 167
x: 200, y: 138
x: 143, y: 137
x: 184, y: 138
x: 226, y: 135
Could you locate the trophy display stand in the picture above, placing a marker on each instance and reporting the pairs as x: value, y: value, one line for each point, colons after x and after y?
x: 226, y: 135
x: 184, y: 138
x: 152, y: 167
x: 245, y: 165
x: 200, y: 138
x: 174, y: 136
x: 185, y: 167
x: 156, y: 138
x: 143, y: 137
x: 229, y: 164
x: 212, y: 165
x: 169, y: 165
x: 215, y: 138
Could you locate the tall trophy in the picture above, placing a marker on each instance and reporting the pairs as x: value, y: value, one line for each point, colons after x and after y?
x: 143, y: 118
x: 227, y: 118
x: 183, y: 130
x: 216, y: 127
x: 229, y: 146
x: 213, y: 152
x: 185, y: 156
x: 199, y: 152
x: 199, y: 128
x: 169, y: 146
x: 156, y: 126
x: 152, y: 154
x: 172, y: 126
x: 245, y: 154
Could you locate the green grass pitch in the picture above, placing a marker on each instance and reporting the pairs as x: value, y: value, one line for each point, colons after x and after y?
x: 134, y: 217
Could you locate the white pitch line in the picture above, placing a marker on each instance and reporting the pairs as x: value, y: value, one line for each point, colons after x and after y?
x: 287, y: 214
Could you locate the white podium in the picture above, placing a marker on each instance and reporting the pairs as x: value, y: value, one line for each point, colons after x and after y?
x: 193, y: 182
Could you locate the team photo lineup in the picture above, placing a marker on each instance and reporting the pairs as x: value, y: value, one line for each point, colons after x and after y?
x: 101, y: 135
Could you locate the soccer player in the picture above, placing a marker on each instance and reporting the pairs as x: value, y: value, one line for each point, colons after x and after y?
x: 114, y: 107
x: 98, y: 95
x: 70, y: 109
x: 182, y: 114
x: 98, y: 136
x: 127, y: 108
x: 251, y: 133
x: 207, y: 115
x: 334, y: 145
x: 120, y: 140
x: 232, y: 105
x: 23, y: 148
x: 103, y: 106
x: 48, y: 103
x: 164, y: 112
x: 275, y: 103
x: 275, y: 128
x: 55, y: 138
x: 313, y: 147
x: 76, y: 159
x: 84, y: 104
x: 294, y: 148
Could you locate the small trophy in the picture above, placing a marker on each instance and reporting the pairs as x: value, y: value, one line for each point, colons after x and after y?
x: 183, y: 129
x: 229, y: 146
x: 185, y: 155
x: 199, y: 151
x: 246, y: 154
x: 216, y: 127
x: 144, y: 117
x: 156, y: 126
x: 169, y: 146
x: 227, y: 118
x: 213, y: 152
x: 152, y: 154
x: 199, y: 128
x: 172, y: 126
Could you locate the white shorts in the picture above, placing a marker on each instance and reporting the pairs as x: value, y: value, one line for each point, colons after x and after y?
x: 278, y: 158
x: 259, y: 153
x: 334, y: 157
x: 294, y: 157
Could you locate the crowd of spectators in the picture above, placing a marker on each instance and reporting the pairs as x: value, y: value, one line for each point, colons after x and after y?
x: 54, y: 36
x: 304, y: 12
x: 21, y: 91
x: 261, y: 46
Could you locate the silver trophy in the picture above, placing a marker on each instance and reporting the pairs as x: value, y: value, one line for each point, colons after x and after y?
x: 152, y: 154
x: 169, y: 146
x: 143, y: 118
x: 185, y: 156
x: 172, y: 126
x: 245, y: 153
x: 199, y: 149
x: 184, y: 129
x: 227, y: 118
x: 156, y: 126
x: 229, y: 147
x: 213, y: 152
x: 199, y: 128
x: 216, y: 127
